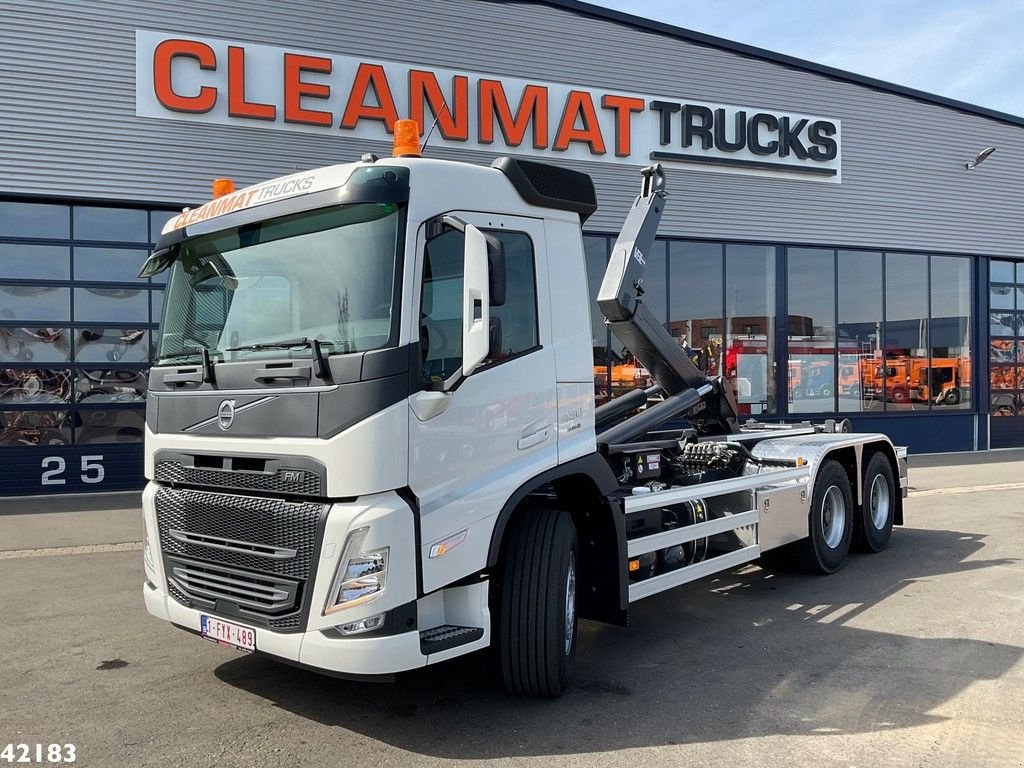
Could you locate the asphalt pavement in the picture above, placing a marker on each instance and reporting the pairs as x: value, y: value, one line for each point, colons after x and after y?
x: 911, y: 657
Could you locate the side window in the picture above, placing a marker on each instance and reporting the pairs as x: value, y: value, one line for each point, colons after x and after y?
x: 514, y: 326
x: 441, y: 306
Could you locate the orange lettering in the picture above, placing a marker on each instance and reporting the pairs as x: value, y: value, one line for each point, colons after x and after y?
x: 452, y: 122
x: 579, y: 105
x: 370, y: 76
x: 494, y: 104
x: 624, y: 106
x: 237, y: 105
x: 295, y: 88
x: 163, y: 56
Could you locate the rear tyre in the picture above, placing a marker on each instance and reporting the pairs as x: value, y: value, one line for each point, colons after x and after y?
x: 830, y: 521
x: 878, y: 510
x: 537, y: 613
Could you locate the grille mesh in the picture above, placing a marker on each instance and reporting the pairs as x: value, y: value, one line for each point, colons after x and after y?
x: 299, y: 481
x: 270, y: 522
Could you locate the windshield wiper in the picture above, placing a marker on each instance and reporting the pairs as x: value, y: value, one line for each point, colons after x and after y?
x: 320, y: 369
x: 203, y: 352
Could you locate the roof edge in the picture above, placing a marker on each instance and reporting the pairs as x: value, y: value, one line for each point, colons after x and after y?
x: 744, y: 49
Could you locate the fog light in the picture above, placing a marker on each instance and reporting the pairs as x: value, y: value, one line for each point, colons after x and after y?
x: 368, y: 624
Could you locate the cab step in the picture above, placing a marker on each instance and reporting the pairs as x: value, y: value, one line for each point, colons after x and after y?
x: 447, y: 636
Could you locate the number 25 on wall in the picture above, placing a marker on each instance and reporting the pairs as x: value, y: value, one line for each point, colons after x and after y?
x: 54, y: 466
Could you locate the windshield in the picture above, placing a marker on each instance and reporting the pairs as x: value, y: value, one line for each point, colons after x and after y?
x: 329, y: 274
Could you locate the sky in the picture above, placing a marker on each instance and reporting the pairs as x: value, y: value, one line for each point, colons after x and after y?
x: 970, y: 50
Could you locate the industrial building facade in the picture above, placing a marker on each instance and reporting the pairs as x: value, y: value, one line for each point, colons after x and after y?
x: 826, y: 247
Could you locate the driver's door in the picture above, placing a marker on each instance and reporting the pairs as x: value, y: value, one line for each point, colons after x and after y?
x: 498, y: 427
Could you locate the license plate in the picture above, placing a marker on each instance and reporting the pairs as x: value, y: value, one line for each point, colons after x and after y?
x: 227, y: 634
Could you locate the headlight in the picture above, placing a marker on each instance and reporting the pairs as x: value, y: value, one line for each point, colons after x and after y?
x: 361, y: 575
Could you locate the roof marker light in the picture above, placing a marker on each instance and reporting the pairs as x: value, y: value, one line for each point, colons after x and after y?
x: 223, y: 187
x: 407, y: 139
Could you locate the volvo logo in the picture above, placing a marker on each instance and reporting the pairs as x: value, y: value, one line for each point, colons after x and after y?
x: 226, y: 414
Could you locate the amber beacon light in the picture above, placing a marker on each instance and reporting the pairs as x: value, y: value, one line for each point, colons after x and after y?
x: 407, y: 139
x: 223, y: 187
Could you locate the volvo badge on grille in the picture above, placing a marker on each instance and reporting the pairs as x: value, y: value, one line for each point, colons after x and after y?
x: 226, y: 414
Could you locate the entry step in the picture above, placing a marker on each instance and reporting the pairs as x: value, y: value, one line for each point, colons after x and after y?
x: 447, y: 636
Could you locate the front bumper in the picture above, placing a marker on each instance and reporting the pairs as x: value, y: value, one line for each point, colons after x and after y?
x: 356, y: 655
x: 316, y: 643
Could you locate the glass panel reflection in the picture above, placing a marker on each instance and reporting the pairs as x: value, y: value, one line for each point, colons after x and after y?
x: 34, y: 302
x: 110, y: 386
x: 35, y: 220
x: 860, y: 330
x: 112, y: 265
x: 110, y: 425
x: 906, y: 328
x: 18, y: 428
x: 695, y: 316
x: 41, y: 345
x: 1005, y: 404
x: 750, y: 309
x: 124, y: 225
x: 945, y: 380
x: 128, y: 345
x: 112, y: 304
x: 34, y: 386
x: 34, y: 262
x: 811, y: 321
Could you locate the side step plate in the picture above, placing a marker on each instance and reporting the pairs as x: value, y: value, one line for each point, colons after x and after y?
x: 447, y: 636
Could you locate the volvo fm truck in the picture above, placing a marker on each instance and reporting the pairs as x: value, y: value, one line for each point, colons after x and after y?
x: 372, y: 442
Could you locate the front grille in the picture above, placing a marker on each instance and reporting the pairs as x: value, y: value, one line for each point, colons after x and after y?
x: 244, y: 557
x: 297, y: 482
x: 253, y: 592
x: 242, y: 531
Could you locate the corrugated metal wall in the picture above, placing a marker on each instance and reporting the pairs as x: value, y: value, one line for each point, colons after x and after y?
x: 67, y: 117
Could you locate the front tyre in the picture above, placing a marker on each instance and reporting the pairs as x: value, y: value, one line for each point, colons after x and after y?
x: 879, y: 495
x: 830, y: 521
x: 537, y: 614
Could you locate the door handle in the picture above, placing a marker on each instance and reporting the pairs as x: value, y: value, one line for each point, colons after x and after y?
x: 535, y: 434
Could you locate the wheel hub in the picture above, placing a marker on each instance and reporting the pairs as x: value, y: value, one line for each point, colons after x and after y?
x: 879, y: 501
x: 833, y: 517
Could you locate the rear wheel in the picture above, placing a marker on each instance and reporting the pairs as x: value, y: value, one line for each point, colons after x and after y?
x: 830, y: 522
x: 952, y: 397
x: 537, y: 615
x: 879, y: 507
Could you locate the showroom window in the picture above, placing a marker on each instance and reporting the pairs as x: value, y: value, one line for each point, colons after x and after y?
x: 77, y: 326
x: 871, y: 331
x: 1006, y: 337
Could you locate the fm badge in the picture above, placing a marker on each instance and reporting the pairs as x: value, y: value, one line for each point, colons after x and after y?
x: 226, y: 414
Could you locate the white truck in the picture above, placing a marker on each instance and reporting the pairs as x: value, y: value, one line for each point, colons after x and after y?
x: 372, y: 442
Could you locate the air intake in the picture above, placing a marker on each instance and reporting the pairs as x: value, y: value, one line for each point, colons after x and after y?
x: 549, y: 186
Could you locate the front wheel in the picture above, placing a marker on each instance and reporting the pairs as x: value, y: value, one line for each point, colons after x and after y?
x: 878, y: 512
x: 537, y: 615
x: 830, y: 521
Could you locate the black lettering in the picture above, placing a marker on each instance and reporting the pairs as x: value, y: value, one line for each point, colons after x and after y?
x: 665, y: 110
x: 691, y: 128
x: 790, y: 139
x: 825, y: 147
x: 771, y: 123
x: 740, y: 140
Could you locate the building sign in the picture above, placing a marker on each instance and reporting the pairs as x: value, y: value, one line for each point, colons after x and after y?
x: 206, y: 80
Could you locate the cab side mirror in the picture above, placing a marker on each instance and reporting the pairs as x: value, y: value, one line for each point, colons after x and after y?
x: 476, y: 313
